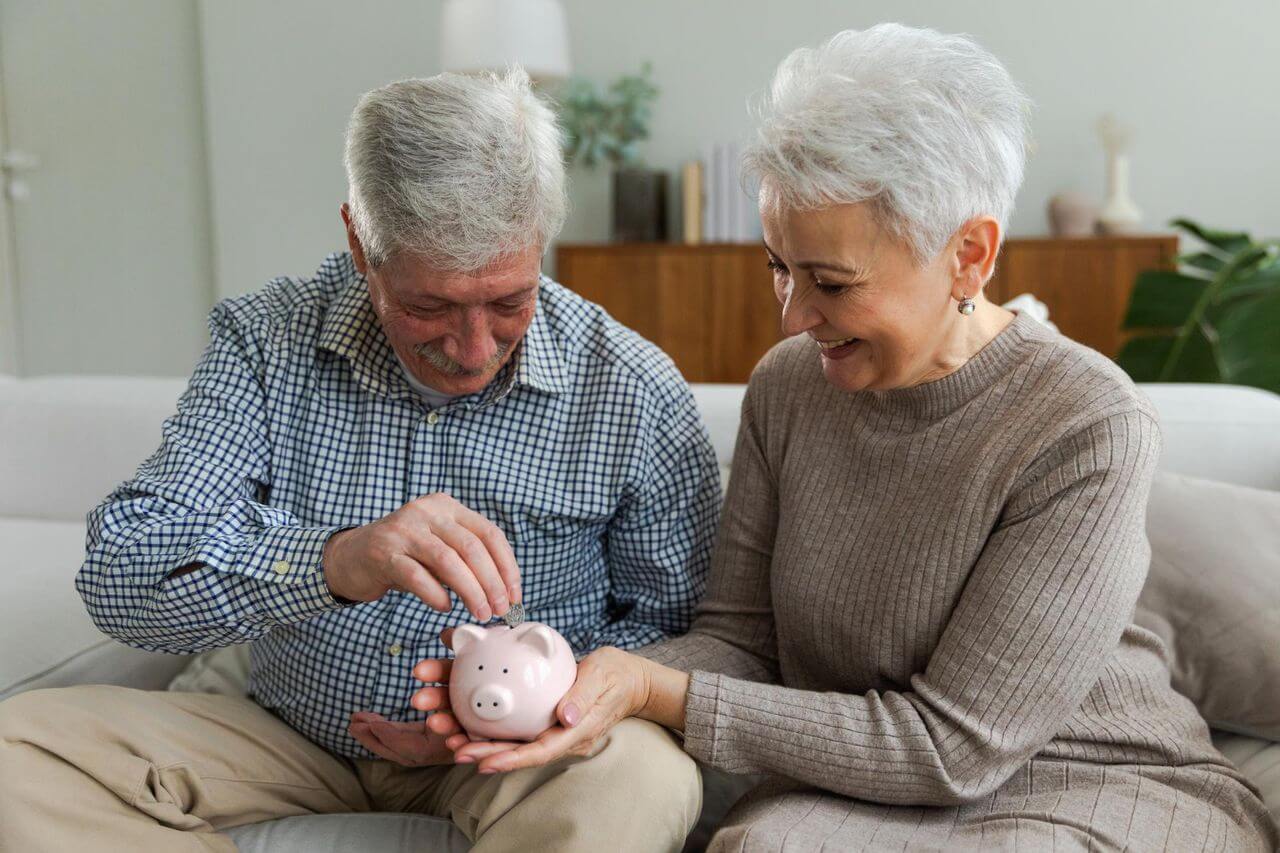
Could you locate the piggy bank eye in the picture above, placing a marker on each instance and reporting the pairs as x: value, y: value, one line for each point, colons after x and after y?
x: 504, y: 669
x: 482, y: 666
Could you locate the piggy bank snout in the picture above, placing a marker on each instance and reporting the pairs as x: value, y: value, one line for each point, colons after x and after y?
x: 492, y: 702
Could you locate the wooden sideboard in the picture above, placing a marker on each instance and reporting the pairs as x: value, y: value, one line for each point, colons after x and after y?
x: 711, y: 307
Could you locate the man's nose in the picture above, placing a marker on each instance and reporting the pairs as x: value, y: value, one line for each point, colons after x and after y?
x: 474, y: 340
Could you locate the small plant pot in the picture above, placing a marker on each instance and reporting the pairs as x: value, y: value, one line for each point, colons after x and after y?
x: 639, y: 206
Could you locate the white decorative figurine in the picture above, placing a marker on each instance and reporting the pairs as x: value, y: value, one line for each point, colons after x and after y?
x: 1119, y: 214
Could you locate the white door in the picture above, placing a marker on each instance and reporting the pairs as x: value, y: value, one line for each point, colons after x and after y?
x: 106, y: 216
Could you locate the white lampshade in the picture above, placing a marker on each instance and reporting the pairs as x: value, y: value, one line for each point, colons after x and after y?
x: 489, y: 35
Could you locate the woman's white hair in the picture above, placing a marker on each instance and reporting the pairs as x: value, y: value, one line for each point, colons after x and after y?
x: 928, y: 128
x: 455, y: 169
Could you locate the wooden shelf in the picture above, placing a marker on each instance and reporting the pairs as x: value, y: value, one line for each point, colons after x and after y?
x: 711, y: 306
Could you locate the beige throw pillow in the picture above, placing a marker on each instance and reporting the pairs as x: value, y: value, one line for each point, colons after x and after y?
x: 1213, y: 596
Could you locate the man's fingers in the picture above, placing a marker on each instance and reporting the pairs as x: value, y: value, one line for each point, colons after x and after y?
x: 448, y: 568
x: 412, y: 742
x: 411, y: 576
x: 433, y: 670
x: 430, y: 699
x: 495, y: 542
x: 364, y: 735
x: 474, y: 553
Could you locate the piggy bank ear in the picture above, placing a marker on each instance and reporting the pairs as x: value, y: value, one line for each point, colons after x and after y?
x: 542, y: 638
x: 465, y: 636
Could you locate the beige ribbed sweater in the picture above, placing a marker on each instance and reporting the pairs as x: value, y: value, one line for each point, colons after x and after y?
x: 917, y: 591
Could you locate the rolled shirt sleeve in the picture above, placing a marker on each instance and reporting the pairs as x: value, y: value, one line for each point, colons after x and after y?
x: 199, y: 500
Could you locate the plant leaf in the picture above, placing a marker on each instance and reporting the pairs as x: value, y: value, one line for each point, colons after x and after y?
x: 1162, y: 299
x: 1228, y: 241
x: 1143, y: 357
x: 1202, y: 261
x: 1250, y: 342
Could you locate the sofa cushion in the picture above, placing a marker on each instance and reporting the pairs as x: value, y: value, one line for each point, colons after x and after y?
x: 1257, y: 759
x: 1221, y: 432
x: 1213, y: 596
x: 46, y: 636
x: 67, y: 441
x: 339, y: 833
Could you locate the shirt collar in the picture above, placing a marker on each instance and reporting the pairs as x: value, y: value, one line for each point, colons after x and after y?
x: 351, y: 329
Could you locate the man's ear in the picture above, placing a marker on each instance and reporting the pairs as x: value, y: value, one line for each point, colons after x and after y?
x: 353, y: 240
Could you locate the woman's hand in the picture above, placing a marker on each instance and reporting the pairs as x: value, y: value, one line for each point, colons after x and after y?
x: 611, y: 686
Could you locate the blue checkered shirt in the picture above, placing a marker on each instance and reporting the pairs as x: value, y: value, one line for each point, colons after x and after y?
x: 587, y: 450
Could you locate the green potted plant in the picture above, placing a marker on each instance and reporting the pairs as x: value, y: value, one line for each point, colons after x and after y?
x: 607, y: 127
x: 1216, y: 318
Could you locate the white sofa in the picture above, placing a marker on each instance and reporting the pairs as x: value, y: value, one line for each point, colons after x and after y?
x: 65, y: 442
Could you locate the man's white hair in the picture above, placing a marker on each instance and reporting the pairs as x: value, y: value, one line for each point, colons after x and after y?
x: 455, y: 169
x: 928, y: 128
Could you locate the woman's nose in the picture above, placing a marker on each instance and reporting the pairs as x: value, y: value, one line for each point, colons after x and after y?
x: 798, y: 315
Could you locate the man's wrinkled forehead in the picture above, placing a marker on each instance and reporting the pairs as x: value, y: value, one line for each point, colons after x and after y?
x: 413, y: 279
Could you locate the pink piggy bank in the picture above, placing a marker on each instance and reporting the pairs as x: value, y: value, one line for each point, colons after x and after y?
x: 506, y: 682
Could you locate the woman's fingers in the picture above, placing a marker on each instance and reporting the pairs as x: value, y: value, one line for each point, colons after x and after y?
x: 584, y: 695
x: 444, y: 724
x: 476, y: 750
x: 433, y: 670
x: 431, y: 699
x: 554, y: 743
x: 457, y: 741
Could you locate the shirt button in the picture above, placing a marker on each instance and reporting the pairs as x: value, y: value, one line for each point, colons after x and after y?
x: 433, y: 419
x: 280, y: 567
x: 395, y: 649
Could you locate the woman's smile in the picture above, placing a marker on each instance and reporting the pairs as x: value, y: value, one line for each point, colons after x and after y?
x: 839, y: 348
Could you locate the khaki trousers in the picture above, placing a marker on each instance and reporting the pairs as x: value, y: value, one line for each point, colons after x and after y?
x: 111, y: 768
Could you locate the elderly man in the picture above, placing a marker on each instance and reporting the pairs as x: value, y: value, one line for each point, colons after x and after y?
x: 425, y: 429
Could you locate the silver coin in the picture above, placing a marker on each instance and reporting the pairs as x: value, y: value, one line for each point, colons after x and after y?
x: 514, y: 616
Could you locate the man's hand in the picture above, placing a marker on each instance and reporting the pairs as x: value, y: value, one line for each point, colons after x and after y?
x: 427, y: 547
x: 411, y: 744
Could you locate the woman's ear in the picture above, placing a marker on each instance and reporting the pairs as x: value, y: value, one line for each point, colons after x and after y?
x: 976, y: 245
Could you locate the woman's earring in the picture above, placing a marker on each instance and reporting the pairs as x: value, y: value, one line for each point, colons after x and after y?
x: 966, y: 306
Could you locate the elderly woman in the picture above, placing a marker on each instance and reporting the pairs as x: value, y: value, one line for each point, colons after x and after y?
x: 919, y: 618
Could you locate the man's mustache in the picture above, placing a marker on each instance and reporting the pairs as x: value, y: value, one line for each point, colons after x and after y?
x: 433, y: 356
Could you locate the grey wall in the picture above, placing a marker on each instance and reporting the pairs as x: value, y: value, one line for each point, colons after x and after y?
x: 280, y: 80
x: 112, y: 255
x: 1197, y: 81
x: 259, y: 93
